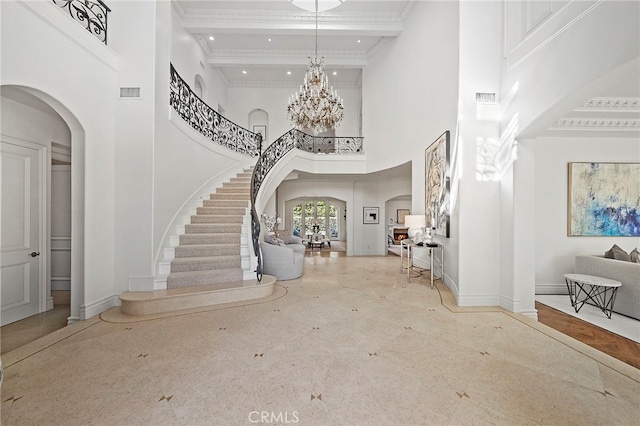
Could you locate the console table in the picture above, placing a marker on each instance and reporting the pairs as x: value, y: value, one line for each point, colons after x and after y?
x: 601, y: 291
x: 412, y: 248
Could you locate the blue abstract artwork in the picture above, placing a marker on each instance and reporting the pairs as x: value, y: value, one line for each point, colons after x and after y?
x: 604, y: 199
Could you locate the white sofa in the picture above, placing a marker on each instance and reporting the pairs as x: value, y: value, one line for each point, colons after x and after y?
x: 285, y: 262
x: 628, y: 273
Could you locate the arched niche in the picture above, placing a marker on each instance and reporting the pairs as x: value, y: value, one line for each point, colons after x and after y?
x: 259, y: 123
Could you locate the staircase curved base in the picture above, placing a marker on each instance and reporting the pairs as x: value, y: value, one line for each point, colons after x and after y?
x: 138, y: 305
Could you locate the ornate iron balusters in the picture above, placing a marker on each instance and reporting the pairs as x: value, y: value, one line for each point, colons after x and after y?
x: 274, y: 152
x: 91, y: 14
x: 207, y: 121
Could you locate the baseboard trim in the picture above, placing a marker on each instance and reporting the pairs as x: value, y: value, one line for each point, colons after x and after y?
x: 92, y: 309
x: 551, y: 289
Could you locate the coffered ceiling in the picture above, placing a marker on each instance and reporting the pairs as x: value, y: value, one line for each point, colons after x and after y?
x: 268, y: 43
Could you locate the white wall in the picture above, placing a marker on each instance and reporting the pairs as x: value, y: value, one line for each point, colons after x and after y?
x: 41, y: 50
x: 243, y: 100
x: 475, y: 273
x: 187, y: 57
x: 554, y: 250
x: 558, y: 62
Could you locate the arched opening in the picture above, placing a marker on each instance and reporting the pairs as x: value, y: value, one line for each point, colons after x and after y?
x: 43, y: 110
x: 259, y: 123
x: 199, y: 87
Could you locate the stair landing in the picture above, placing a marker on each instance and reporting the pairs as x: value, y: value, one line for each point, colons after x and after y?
x: 145, y: 304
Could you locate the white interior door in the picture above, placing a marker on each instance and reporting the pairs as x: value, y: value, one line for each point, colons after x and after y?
x: 20, y: 263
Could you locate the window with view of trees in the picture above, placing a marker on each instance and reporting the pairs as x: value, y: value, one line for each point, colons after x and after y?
x: 315, y: 216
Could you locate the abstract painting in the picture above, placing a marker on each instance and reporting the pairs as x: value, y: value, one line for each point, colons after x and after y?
x: 437, y: 185
x: 604, y: 199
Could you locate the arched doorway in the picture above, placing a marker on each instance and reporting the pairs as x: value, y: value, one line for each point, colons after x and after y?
x: 42, y: 104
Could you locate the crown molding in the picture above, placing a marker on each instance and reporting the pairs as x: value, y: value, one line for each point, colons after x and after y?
x: 611, y: 104
x: 595, y: 124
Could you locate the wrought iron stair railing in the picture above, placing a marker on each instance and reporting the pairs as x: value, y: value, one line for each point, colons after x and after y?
x: 278, y: 149
x: 91, y: 14
x: 207, y: 121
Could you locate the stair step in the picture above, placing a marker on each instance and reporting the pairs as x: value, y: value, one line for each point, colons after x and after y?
x: 187, y: 264
x: 230, y: 196
x: 232, y: 190
x: 198, y: 278
x: 216, y: 218
x: 217, y: 238
x: 207, y: 250
x: 225, y: 203
x: 212, y: 228
x: 225, y: 211
x: 239, y: 185
x: 161, y: 303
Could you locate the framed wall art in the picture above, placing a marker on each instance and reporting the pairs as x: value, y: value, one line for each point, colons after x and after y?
x: 400, y: 214
x: 436, y: 197
x: 603, y: 199
x: 370, y: 215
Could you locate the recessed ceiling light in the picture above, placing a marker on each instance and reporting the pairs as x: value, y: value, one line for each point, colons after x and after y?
x: 288, y: 72
x: 244, y: 71
x: 335, y: 73
x: 211, y: 38
x: 358, y: 41
x: 268, y: 39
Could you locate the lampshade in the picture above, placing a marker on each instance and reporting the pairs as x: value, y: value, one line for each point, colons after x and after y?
x: 415, y: 221
x: 416, y: 224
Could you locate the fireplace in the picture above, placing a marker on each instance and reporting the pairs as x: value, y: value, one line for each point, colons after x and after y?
x: 400, y: 234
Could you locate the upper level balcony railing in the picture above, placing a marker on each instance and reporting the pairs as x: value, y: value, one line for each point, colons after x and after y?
x: 91, y: 14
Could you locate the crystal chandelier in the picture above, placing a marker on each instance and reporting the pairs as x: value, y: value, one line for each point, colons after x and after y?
x: 316, y: 107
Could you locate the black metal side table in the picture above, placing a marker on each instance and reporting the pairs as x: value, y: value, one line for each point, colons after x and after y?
x: 601, y: 291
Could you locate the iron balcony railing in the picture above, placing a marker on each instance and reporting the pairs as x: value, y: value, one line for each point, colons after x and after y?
x: 278, y: 149
x: 91, y: 14
x: 209, y: 122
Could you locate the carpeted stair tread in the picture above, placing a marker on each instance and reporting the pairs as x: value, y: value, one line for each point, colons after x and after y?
x: 209, y: 251
x: 188, y: 279
x: 186, y: 264
x: 232, y: 190
x: 225, y: 211
x: 206, y: 250
x: 212, y: 228
x: 225, y: 203
x: 216, y: 218
x: 230, y: 196
x: 215, y: 238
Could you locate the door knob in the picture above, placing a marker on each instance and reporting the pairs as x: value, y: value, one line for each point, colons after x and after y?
x: 34, y: 254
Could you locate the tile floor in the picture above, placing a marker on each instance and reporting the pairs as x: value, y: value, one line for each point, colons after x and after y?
x: 349, y: 343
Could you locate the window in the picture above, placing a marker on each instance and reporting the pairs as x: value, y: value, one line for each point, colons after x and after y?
x: 315, y: 216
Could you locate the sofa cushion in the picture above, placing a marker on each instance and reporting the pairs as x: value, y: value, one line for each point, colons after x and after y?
x: 635, y: 255
x: 617, y: 253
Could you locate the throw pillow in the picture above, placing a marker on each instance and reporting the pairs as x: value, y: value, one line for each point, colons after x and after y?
x: 284, y: 235
x: 271, y: 239
x: 635, y: 255
x: 617, y: 253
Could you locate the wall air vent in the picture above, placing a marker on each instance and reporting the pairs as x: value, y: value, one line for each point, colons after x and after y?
x: 485, y: 98
x: 130, y: 92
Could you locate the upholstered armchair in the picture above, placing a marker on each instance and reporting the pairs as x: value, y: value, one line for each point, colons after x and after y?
x: 283, y: 261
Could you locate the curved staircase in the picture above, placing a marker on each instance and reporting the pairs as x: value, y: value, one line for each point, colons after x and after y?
x: 210, y: 264
x: 209, y: 250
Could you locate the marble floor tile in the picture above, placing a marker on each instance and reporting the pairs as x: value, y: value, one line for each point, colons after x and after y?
x: 351, y: 342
